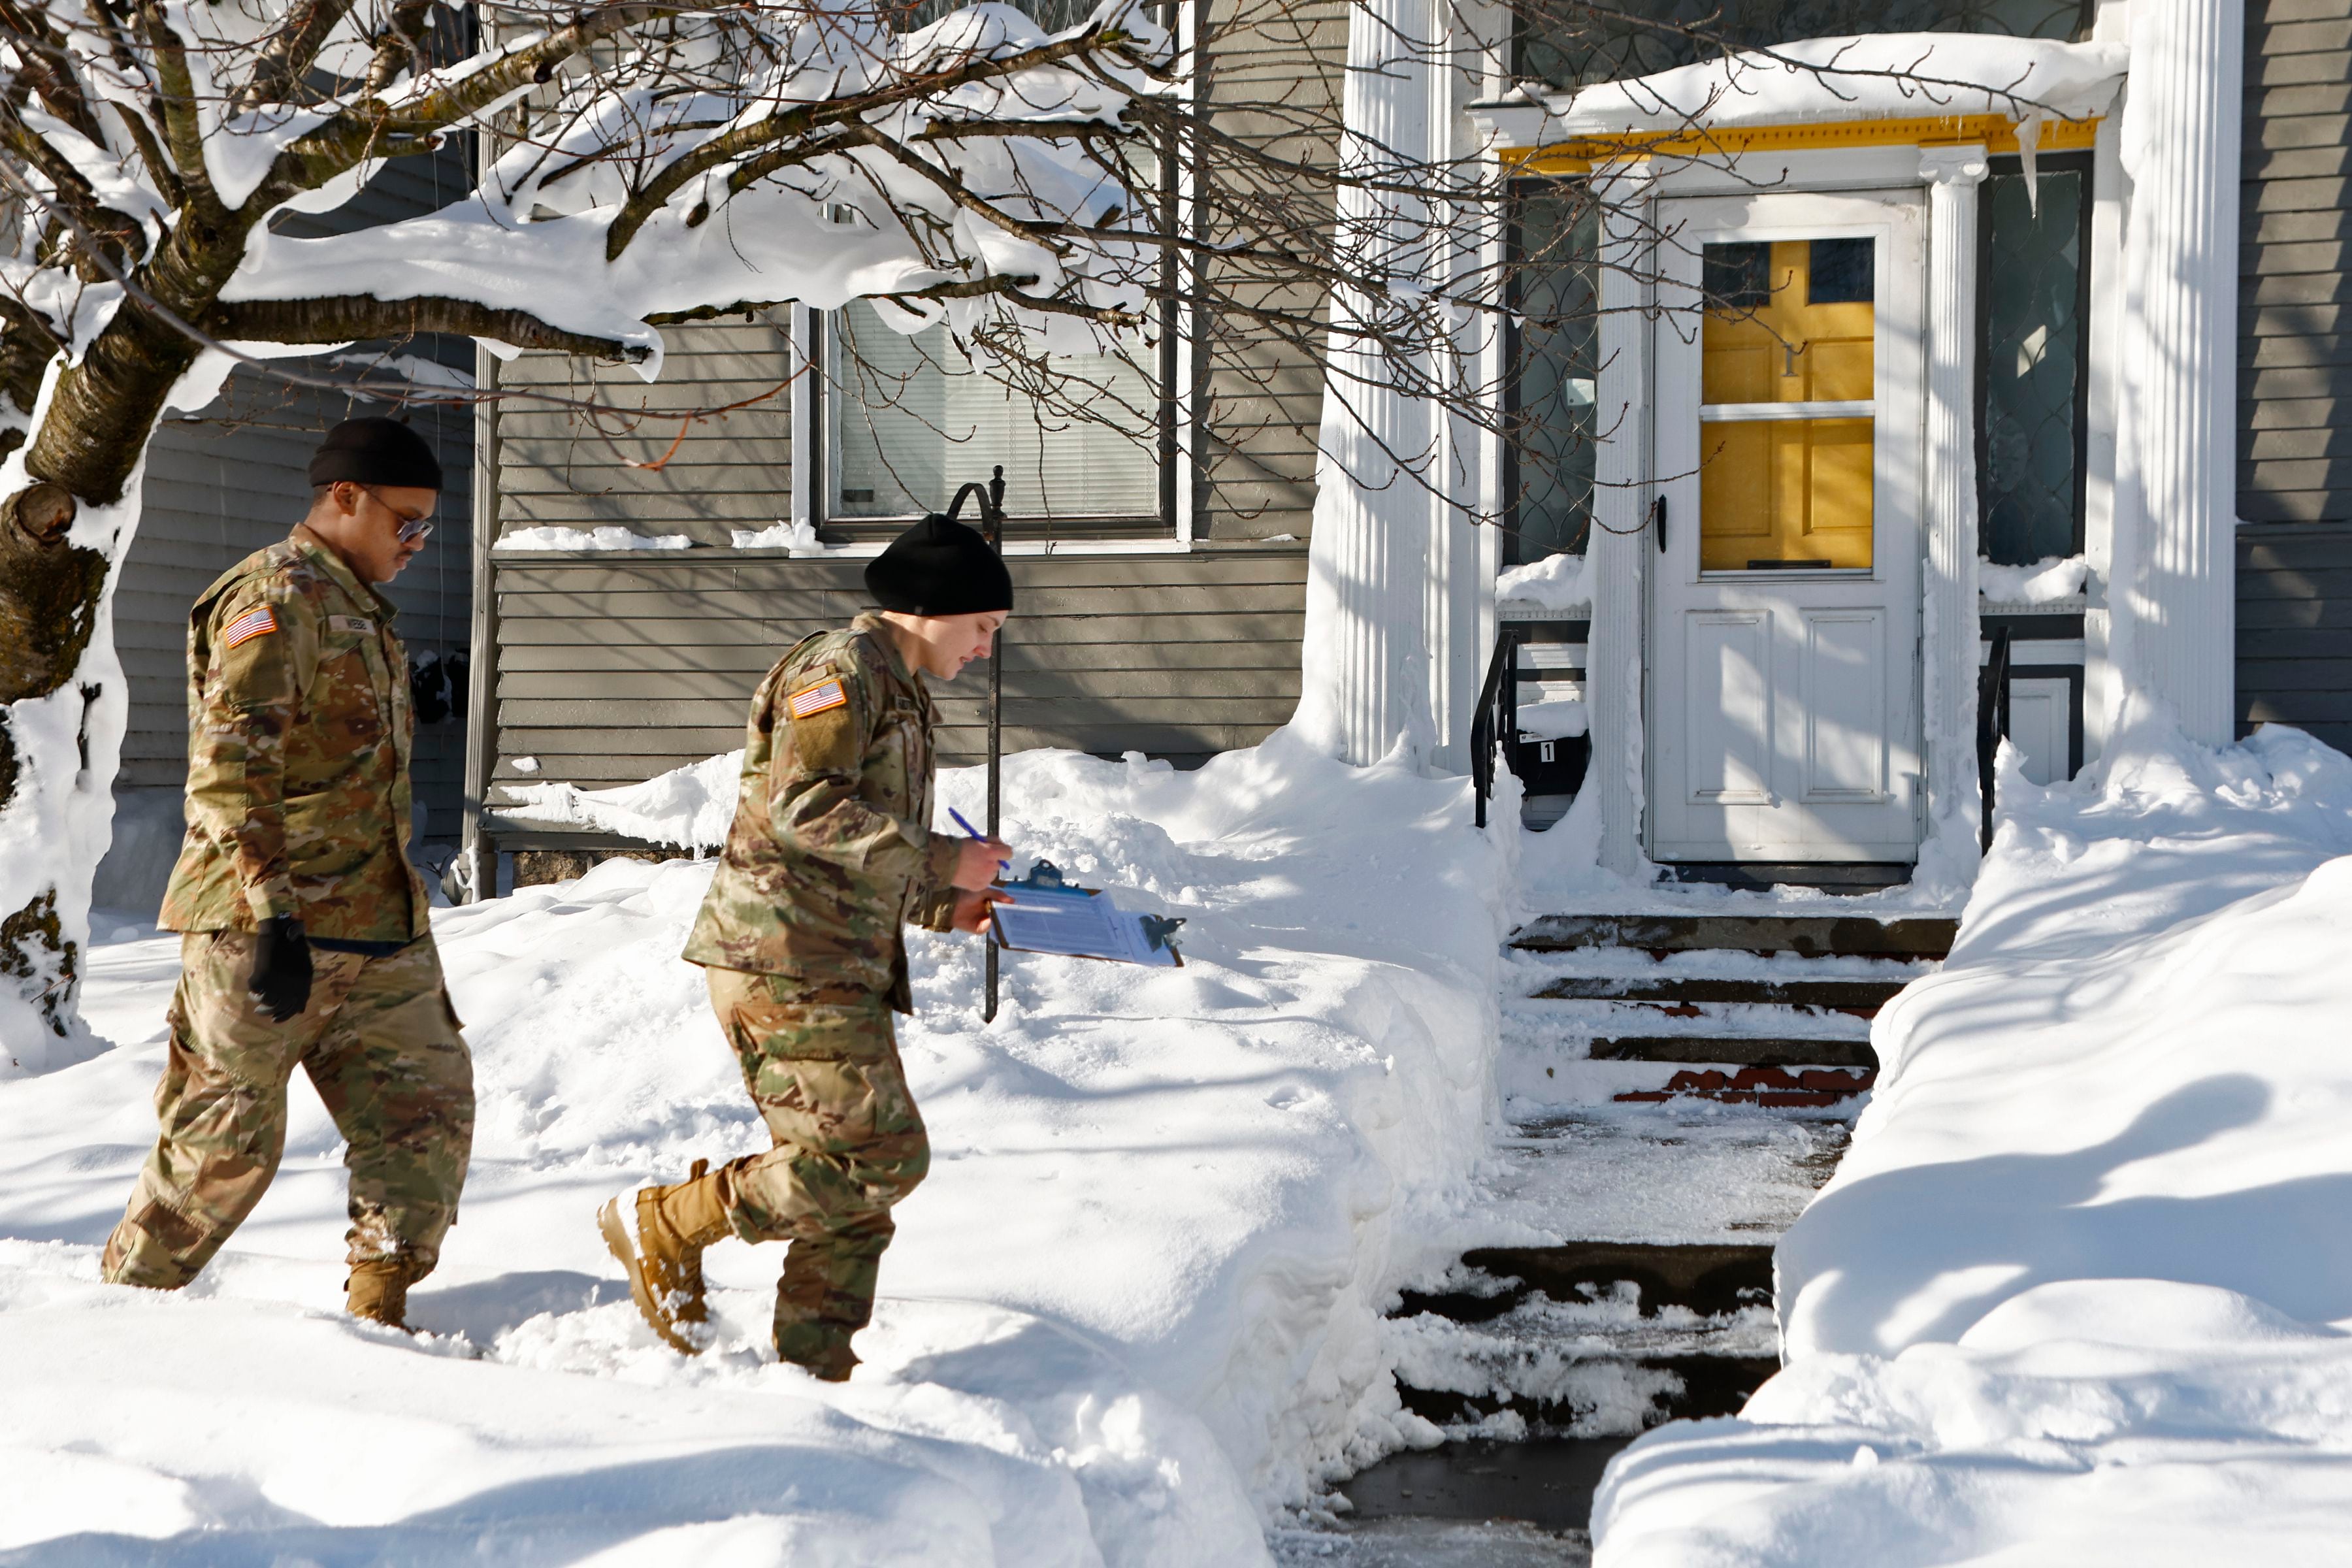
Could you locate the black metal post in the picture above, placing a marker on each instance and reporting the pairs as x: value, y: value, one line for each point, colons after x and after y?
x: 992, y: 517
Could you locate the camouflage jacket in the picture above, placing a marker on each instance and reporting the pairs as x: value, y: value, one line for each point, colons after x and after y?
x: 298, y: 733
x: 831, y: 849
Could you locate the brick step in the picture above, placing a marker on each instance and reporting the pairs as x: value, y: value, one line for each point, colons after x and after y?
x: 1809, y: 936
x: 1860, y: 998
x: 1711, y: 1278
x: 1694, y: 1387
x: 1737, y: 1050
x: 1813, y: 1087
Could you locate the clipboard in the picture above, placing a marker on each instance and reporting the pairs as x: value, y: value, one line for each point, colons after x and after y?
x: 1055, y: 916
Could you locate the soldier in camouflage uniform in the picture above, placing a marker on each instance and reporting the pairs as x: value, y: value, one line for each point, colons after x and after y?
x: 830, y: 853
x: 306, y: 939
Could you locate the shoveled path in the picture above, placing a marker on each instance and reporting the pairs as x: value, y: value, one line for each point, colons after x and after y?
x: 1680, y: 1088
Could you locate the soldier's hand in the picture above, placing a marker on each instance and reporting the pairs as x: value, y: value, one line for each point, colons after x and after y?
x: 977, y: 862
x: 281, y: 968
x: 972, y: 909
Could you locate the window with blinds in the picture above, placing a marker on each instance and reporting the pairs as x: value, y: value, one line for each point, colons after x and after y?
x: 908, y: 419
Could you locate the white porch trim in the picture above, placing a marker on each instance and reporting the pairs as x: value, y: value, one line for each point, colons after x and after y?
x: 1618, y: 556
x: 2175, y: 545
x: 1948, y: 582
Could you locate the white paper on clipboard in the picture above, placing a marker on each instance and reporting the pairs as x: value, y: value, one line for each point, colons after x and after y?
x: 1049, y: 916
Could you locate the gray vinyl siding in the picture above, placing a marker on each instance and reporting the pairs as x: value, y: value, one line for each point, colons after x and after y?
x: 2294, y: 628
x: 1262, y: 398
x: 2294, y: 384
x: 560, y: 468
x: 2295, y: 357
x: 612, y: 669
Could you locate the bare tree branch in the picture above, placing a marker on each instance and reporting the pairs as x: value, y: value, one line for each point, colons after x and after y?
x: 356, y: 317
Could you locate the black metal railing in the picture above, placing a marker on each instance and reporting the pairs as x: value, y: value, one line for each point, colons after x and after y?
x: 1992, y: 724
x: 1496, y: 724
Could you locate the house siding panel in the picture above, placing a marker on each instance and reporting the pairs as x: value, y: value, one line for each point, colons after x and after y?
x: 2295, y: 373
x: 2294, y: 362
x: 2294, y: 628
x: 609, y: 674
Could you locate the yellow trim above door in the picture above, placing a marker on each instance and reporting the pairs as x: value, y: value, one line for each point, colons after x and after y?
x: 1995, y: 132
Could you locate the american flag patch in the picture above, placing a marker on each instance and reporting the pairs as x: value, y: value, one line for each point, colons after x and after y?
x: 817, y: 699
x: 248, y: 625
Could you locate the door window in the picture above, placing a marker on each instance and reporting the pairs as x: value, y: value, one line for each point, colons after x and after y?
x: 1788, y: 363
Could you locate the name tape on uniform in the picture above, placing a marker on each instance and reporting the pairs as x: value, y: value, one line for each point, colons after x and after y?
x: 351, y: 624
x: 818, y: 698
x: 248, y: 625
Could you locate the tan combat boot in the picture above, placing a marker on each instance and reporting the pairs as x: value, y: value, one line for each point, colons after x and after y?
x: 659, y: 1240
x: 378, y: 1292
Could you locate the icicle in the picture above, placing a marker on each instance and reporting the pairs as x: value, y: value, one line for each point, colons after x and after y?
x: 2029, y: 139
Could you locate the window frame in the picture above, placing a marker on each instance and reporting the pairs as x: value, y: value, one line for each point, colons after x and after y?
x: 1181, y: 482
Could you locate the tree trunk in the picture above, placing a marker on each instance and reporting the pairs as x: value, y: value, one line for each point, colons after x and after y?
x: 59, y: 679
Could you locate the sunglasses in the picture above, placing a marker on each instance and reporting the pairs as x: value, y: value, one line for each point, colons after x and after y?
x: 413, y: 530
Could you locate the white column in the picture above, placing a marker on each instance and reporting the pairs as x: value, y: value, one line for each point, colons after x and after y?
x: 2181, y: 146
x: 1619, y: 553
x: 1367, y: 678
x: 1949, y: 626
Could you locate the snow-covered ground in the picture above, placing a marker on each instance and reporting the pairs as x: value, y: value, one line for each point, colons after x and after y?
x: 1132, y: 1314
x: 2081, y: 1293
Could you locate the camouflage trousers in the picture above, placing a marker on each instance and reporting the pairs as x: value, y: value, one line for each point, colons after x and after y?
x: 381, y: 1043
x: 822, y: 1065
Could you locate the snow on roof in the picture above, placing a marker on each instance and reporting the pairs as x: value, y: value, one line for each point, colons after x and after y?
x: 1874, y: 76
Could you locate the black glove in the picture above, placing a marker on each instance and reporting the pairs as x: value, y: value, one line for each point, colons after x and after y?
x: 281, y: 967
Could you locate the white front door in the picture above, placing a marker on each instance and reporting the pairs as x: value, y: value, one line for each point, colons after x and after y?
x: 1784, y: 689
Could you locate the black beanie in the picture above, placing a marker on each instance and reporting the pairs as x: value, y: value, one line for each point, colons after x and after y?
x: 375, y: 452
x: 939, y: 568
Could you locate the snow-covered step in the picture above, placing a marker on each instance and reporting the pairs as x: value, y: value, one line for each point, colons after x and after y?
x: 1811, y: 936
x: 1725, y: 1050
x: 1772, y: 1087
x: 1589, y: 1366
x: 1653, y: 1297
x: 1859, y: 998
x: 1707, y: 1277
x: 1676, y: 1175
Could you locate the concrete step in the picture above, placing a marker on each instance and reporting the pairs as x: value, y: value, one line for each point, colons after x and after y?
x: 1710, y: 1278
x: 1651, y: 1392
x: 1684, y: 1171
x: 1547, y: 1484
x: 1737, y: 1050
x: 1860, y: 998
x: 1809, y: 936
x: 1588, y: 1339
x: 1767, y: 1086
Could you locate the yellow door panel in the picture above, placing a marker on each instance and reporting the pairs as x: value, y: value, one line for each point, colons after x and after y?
x: 1785, y: 490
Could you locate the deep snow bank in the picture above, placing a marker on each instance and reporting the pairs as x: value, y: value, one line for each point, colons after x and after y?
x: 2079, y: 1293
x: 1135, y: 1306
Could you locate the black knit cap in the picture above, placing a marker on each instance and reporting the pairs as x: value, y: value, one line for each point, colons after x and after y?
x: 939, y: 568
x: 375, y: 452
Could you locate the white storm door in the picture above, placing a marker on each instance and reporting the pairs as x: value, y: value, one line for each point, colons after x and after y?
x: 1783, y: 690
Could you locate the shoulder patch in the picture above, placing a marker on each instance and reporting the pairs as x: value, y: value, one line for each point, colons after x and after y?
x: 817, y: 699
x: 246, y: 627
